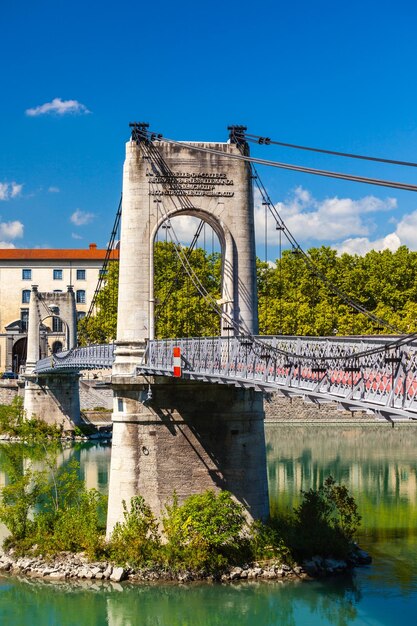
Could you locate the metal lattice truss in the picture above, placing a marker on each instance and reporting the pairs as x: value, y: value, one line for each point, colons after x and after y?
x: 368, y: 374
x: 361, y: 374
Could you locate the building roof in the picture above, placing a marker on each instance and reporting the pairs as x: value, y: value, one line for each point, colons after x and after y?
x: 42, y: 254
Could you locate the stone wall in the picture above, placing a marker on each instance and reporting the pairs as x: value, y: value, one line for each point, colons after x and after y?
x: 280, y: 409
x: 92, y: 396
x: 54, y: 399
x: 8, y: 391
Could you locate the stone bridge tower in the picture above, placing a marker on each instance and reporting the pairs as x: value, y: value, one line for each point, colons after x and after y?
x: 54, y: 398
x: 184, y: 436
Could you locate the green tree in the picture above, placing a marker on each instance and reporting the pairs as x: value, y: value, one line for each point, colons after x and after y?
x: 180, y: 309
x: 325, y: 522
x: 101, y: 327
x: 292, y: 298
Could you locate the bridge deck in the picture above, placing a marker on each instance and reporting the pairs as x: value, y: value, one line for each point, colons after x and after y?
x: 361, y: 373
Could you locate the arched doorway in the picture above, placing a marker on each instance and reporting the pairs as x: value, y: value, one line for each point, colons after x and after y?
x: 19, y: 353
x: 57, y: 347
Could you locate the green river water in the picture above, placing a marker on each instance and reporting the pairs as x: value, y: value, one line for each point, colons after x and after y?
x: 377, y: 462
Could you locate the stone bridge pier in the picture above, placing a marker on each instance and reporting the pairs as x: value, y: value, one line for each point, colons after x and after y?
x: 186, y: 436
x: 170, y: 434
x: 55, y: 398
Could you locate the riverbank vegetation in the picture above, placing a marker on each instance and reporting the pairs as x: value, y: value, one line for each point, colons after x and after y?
x: 14, y: 423
x: 49, y: 511
x: 292, y: 299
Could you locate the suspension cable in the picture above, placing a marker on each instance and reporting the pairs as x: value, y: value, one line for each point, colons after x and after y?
x: 189, y: 252
x: 158, y: 160
x: 312, y: 267
x: 109, y: 251
x: 267, y: 141
x: 148, y: 139
x: 296, y: 168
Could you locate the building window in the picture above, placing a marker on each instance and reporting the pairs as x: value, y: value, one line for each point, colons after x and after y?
x: 80, y: 315
x: 26, y: 296
x: 26, y: 274
x: 57, y: 274
x: 102, y: 273
x: 24, y: 320
x: 56, y: 325
x: 80, y: 274
x: 81, y: 296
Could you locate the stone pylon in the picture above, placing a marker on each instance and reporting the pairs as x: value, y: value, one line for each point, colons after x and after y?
x: 53, y: 398
x: 184, y: 436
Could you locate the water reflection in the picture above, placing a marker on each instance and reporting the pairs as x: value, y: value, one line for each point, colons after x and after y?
x: 93, y: 458
x: 378, y: 463
x: 246, y: 604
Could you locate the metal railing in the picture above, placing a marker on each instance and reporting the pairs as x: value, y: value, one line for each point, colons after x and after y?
x: 361, y: 373
x: 358, y: 372
x: 89, y: 357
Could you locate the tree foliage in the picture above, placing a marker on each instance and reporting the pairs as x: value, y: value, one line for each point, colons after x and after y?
x: 50, y: 508
x: 14, y: 422
x: 326, y: 521
x: 136, y: 539
x: 292, y: 300
x: 180, y: 311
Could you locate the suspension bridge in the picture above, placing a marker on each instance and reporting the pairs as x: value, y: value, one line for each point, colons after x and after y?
x: 205, y: 428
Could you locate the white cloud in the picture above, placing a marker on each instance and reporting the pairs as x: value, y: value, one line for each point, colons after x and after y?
x: 11, y: 230
x: 16, y: 190
x: 7, y: 244
x: 59, y: 107
x: 330, y: 219
x: 404, y: 234
x: 407, y: 230
x: 362, y: 245
x: 54, y: 189
x: 81, y: 218
x: 10, y: 190
x: 75, y: 236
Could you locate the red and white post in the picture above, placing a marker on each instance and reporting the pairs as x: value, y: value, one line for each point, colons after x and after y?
x: 177, y: 361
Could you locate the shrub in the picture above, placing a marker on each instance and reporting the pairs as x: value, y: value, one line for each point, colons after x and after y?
x: 13, y: 422
x: 136, y: 540
x: 11, y: 416
x: 206, y: 532
x: 266, y: 542
x: 17, y: 501
x: 73, y: 528
x: 325, y: 522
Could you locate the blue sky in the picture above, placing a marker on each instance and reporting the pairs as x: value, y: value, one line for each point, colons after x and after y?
x: 336, y: 75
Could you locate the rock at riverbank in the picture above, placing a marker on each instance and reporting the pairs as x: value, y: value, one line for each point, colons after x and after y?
x: 68, y: 566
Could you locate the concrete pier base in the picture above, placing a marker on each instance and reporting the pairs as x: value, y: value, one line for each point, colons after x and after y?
x: 187, y: 438
x: 54, y: 399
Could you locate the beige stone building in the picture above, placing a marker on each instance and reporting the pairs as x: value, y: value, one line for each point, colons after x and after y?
x: 51, y: 271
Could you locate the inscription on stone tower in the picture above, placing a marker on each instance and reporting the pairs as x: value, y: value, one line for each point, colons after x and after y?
x: 191, y: 184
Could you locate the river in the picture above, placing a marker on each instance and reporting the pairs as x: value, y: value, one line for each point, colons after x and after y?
x: 377, y: 462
